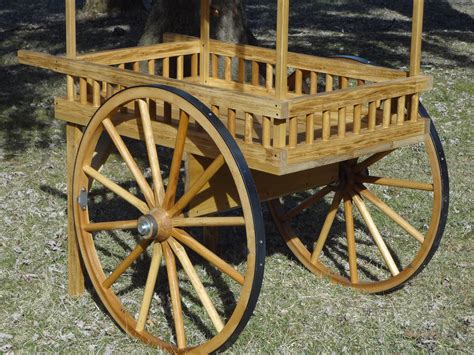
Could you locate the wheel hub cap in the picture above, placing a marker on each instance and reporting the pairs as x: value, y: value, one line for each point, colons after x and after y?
x: 156, y: 224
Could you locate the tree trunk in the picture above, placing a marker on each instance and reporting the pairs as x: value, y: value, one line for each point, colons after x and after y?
x: 228, y: 20
x: 92, y: 7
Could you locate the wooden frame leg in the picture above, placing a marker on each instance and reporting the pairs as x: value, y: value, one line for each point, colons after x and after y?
x: 75, y: 270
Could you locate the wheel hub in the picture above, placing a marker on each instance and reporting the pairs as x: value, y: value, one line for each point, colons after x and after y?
x: 156, y: 224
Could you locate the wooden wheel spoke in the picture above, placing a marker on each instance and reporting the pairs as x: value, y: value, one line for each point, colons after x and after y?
x: 376, y: 235
x: 406, y: 184
x: 197, y: 284
x: 307, y: 203
x: 207, y: 175
x: 394, y: 216
x: 149, y: 287
x: 152, y: 154
x: 175, y: 296
x: 351, y: 244
x: 207, y: 254
x: 108, y: 226
x: 326, y: 227
x: 125, y: 264
x: 118, y: 190
x: 371, y: 161
x: 127, y: 157
x: 208, y: 222
x: 176, y: 160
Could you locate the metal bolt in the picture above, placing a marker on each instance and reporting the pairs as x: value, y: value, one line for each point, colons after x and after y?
x: 144, y: 226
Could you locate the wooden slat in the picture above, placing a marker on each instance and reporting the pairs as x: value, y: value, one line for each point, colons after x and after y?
x: 361, y: 94
x: 293, y: 132
x: 269, y: 77
x: 387, y: 112
x: 313, y: 83
x: 220, y: 97
x: 341, y: 124
x: 204, y: 40
x: 227, y: 68
x: 136, y: 54
x: 255, y: 74
x: 356, y: 125
x: 231, y: 116
x: 372, y: 116
x: 326, y: 130
x: 214, y: 66
x: 310, y: 128
x: 180, y: 67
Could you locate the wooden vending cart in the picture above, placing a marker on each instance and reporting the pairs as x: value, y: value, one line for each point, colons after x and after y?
x: 171, y: 148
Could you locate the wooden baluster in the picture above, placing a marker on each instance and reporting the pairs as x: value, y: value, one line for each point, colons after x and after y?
x: 401, y: 110
x: 166, y: 67
x: 151, y: 67
x: 269, y: 77
x: 180, y: 67
x: 326, y: 125
x: 255, y: 74
x: 387, y: 112
x: 341, y: 122
x: 293, y: 134
x: 329, y: 82
x: 314, y: 83
x: 241, y: 71
x: 310, y: 128
x: 248, y: 132
x: 194, y: 65
x: 266, y: 127
x: 298, y: 81
x: 231, y: 118
x: 357, y: 119
x: 83, y: 91
x: 215, y: 110
x: 372, y: 116
x: 214, y: 66
x: 96, y: 93
x: 343, y: 82
x: 414, y: 106
x: 228, y: 68
x: 360, y: 82
x: 136, y: 66
x: 279, y: 133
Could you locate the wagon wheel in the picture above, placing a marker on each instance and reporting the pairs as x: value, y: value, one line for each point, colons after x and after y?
x: 378, y: 225
x: 143, y: 253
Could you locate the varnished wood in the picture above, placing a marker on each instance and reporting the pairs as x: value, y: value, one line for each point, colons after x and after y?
x: 208, y: 255
x: 204, y: 40
x: 175, y: 296
x: 106, y: 226
x: 391, y: 213
x: 376, y: 235
x: 176, y: 161
x: 282, y: 49
x: 127, y: 262
x: 130, y: 161
x: 351, y: 243
x: 149, y: 286
x: 70, y: 42
x: 319, y: 244
x: 159, y: 192
x: 118, y: 190
x: 75, y: 273
x: 197, y: 284
x: 407, y: 184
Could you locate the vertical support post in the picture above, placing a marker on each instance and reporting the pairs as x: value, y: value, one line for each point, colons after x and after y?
x: 205, y: 33
x: 70, y: 42
x: 281, y: 84
x: 281, y: 77
x: 415, y: 53
x: 73, y: 136
x: 75, y: 272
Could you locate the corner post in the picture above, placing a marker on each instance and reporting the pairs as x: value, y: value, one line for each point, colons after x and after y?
x: 415, y: 54
x: 281, y: 79
x: 73, y: 136
x: 205, y: 39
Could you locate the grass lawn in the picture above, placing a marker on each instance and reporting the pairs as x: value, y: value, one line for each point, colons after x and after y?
x: 297, y: 312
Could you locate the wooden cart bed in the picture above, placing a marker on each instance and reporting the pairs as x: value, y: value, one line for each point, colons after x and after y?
x: 334, y: 109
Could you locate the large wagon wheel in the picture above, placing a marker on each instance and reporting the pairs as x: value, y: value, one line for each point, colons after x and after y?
x: 393, y: 212
x: 132, y: 225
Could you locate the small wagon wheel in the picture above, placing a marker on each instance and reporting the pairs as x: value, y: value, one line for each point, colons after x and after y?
x: 381, y: 221
x: 143, y: 253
